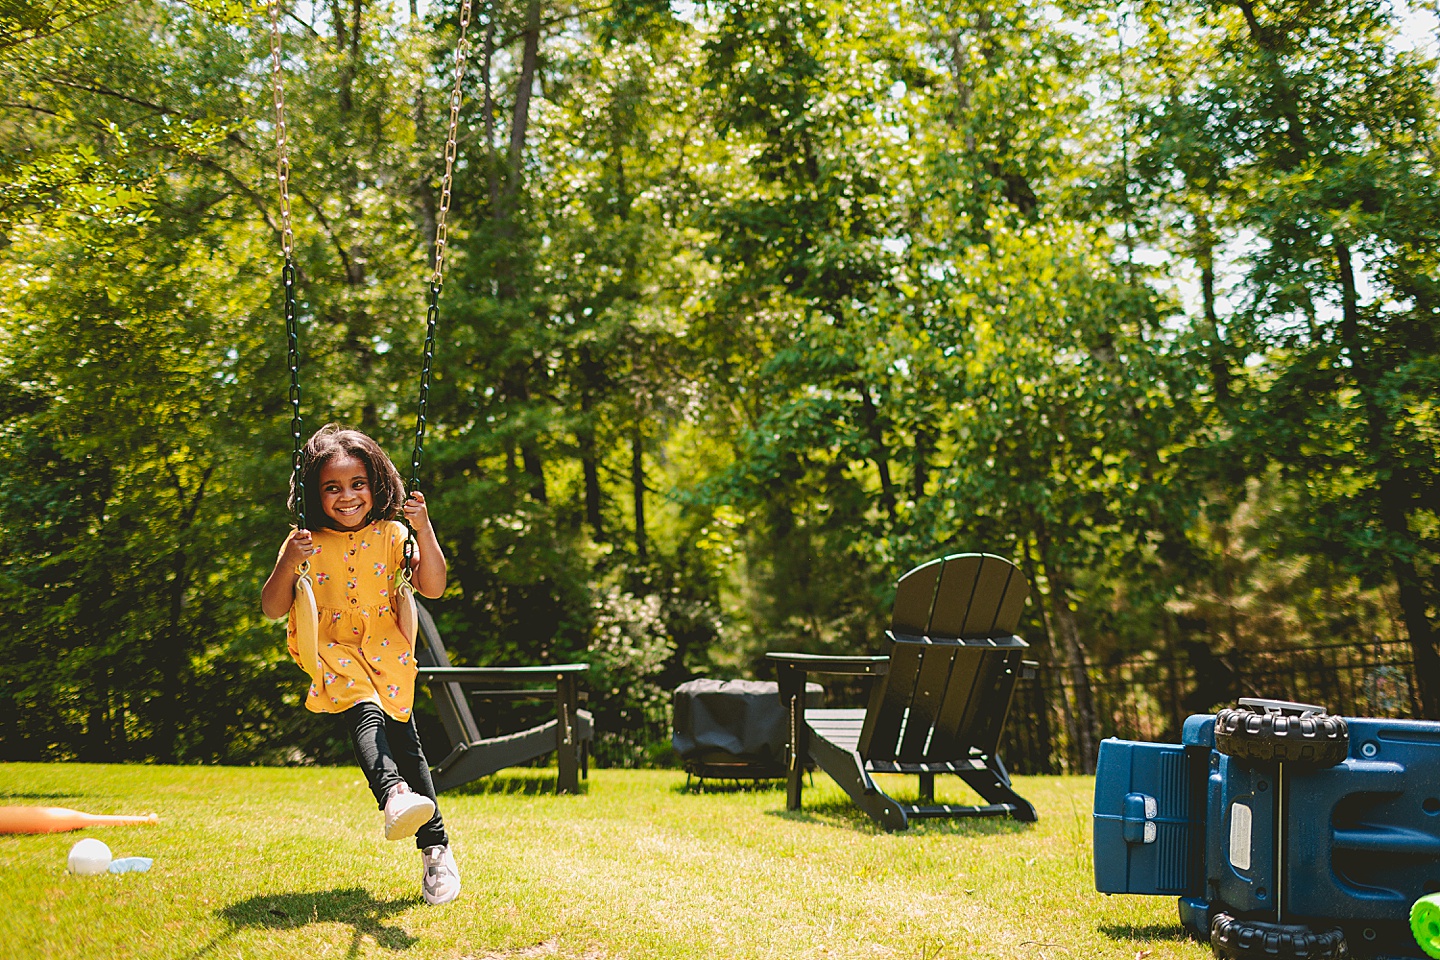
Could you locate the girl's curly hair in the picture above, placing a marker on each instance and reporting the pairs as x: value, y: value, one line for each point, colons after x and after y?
x: 387, y: 490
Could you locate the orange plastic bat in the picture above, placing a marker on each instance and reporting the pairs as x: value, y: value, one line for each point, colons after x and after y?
x: 58, y: 820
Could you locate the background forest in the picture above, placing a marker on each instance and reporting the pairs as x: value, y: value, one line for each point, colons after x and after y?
x: 751, y: 306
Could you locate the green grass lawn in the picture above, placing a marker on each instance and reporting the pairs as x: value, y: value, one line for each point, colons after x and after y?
x: 269, y: 862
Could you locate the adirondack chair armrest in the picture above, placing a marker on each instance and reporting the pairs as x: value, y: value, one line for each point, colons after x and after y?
x: 496, y: 674
x: 820, y: 663
x: 791, y: 670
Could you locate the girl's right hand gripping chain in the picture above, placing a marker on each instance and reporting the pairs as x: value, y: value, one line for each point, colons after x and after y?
x: 306, y: 619
x: 279, y: 590
x: 298, y: 548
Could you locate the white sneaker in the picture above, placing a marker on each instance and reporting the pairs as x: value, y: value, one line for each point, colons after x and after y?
x: 440, y: 880
x: 406, y: 812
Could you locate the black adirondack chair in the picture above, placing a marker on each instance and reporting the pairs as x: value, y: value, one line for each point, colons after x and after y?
x: 939, y: 699
x: 568, y: 734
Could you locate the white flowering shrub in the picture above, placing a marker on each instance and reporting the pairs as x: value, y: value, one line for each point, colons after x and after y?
x: 629, y: 651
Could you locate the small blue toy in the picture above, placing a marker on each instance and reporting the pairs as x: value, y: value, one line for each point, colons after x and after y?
x: 1283, y: 831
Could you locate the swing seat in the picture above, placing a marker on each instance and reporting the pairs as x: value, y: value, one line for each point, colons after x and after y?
x: 307, y: 629
x: 568, y: 734
x: 405, y: 608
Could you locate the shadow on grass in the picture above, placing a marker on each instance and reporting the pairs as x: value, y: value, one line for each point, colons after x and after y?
x: 838, y: 813
x: 727, y: 785
x: 353, y: 906
x: 38, y: 795
x: 1145, y: 933
x: 521, y: 781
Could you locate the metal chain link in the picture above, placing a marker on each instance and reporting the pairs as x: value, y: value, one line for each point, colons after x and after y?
x: 462, y: 51
x: 795, y: 729
x: 427, y: 358
x: 292, y: 338
x: 282, y: 138
x: 287, y: 243
x: 287, y: 274
x: 437, y: 277
x: 432, y: 317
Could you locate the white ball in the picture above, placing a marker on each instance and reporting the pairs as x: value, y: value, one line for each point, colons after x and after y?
x: 89, y: 857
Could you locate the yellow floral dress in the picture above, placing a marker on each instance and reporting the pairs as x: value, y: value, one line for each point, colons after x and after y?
x: 363, y: 654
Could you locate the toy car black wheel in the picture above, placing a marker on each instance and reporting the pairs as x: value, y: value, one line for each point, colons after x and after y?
x: 1278, y: 730
x: 1234, y: 939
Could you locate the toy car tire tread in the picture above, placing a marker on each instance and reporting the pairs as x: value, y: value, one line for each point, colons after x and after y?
x: 1232, y: 938
x: 1318, y: 739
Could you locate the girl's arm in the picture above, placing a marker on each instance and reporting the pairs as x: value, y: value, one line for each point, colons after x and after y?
x: 428, y: 576
x: 278, y: 593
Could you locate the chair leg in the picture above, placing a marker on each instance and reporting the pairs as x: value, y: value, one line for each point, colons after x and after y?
x: 993, y: 783
x: 792, y: 697
x: 927, y: 788
x: 847, y: 769
x: 567, y: 753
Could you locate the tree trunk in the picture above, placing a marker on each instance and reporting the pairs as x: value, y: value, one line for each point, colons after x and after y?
x: 589, y: 461
x: 173, y: 650
x: 1067, y: 716
x: 520, y: 120
x: 347, y: 50
x: 1422, y: 638
x: 487, y: 113
x: 1395, y: 503
x: 637, y: 487
x: 97, y: 721
x: 1085, y: 730
x: 921, y: 465
x: 503, y: 206
x: 591, y: 469
x: 879, y: 454
x: 1219, y: 369
x: 425, y: 199
x: 1349, y: 308
x: 120, y: 741
x: 346, y: 77
x: 1397, y: 494
x: 535, y: 468
x: 1043, y: 651
x: 172, y: 656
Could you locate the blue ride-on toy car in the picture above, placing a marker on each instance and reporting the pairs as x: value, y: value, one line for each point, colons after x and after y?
x: 1284, y: 832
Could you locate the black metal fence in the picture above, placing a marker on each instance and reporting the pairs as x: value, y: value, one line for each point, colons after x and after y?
x: 1148, y: 697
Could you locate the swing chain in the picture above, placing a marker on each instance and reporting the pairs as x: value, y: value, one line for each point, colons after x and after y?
x: 282, y: 138
x: 432, y: 318
x: 287, y: 242
x: 292, y: 339
x: 437, y: 278
x: 287, y: 245
x: 462, y: 49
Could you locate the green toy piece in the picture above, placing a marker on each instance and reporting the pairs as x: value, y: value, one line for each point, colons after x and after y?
x: 1425, y: 924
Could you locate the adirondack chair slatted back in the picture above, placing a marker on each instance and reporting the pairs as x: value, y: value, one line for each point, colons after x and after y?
x: 889, y: 700
x: 954, y: 660
x: 915, y: 598
x: 972, y: 596
x: 450, y: 701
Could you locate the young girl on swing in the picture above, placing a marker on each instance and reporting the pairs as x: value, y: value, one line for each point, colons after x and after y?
x: 366, y: 664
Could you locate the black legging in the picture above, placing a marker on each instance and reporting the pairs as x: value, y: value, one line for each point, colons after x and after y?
x: 389, y: 753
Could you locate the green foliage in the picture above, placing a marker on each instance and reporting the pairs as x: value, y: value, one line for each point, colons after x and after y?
x: 628, y: 656
x: 749, y: 307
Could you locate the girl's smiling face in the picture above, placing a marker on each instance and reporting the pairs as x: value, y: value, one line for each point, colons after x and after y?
x: 345, y: 492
